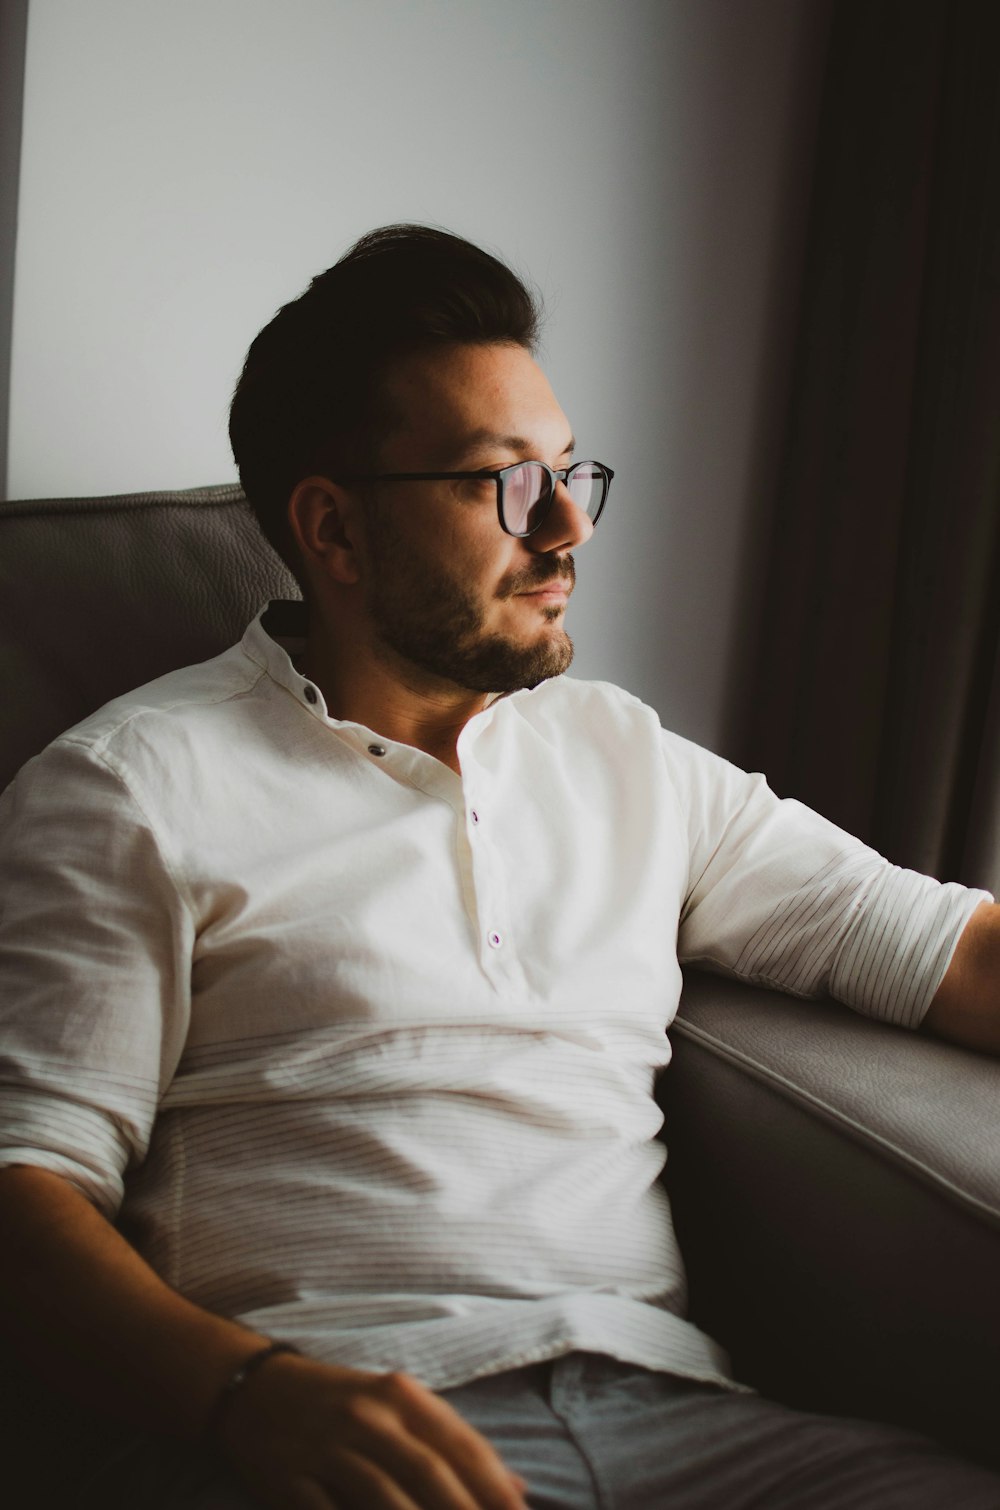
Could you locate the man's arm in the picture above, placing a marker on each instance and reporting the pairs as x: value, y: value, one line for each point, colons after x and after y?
x: 98, y: 1322
x: 966, y: 1005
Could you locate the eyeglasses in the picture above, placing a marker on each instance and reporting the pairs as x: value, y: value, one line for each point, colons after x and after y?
x: 525, y: 491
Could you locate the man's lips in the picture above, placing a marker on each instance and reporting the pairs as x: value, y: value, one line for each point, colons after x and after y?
x: 556, y: 589
x: 532, y: 583
x: 549, y: 595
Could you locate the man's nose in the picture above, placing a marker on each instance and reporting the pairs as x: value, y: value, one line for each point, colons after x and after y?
x: 565, y: 526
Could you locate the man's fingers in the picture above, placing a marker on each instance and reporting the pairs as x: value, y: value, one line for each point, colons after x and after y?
x: 355, y: 1484
x: 474, y: 1461
x: 380, y: 1444
x: 406, y: 1476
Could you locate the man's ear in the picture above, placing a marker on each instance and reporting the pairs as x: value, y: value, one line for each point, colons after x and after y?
x: 325, y: 521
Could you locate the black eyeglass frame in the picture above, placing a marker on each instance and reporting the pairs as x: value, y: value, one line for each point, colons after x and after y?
x: 499, y: 476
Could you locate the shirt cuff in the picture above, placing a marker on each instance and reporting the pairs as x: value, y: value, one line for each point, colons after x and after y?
x: 898, y: 948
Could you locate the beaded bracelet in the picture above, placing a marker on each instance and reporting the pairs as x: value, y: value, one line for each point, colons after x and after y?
x: 235, y: 1383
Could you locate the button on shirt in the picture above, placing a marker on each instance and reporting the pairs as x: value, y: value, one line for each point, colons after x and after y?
x: 361, y: 1051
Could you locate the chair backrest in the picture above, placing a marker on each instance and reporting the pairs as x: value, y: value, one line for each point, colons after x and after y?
x: 98, y: 595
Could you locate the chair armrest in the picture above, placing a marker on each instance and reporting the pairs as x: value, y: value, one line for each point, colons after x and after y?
x: 836, y: 1188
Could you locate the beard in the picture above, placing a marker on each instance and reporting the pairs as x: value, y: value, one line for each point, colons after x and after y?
x: 425, y: 616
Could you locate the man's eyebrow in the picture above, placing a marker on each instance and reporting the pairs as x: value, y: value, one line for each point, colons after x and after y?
x: 482, y: 440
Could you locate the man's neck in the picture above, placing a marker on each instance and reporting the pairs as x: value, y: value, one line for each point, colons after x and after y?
x: 391, y: 697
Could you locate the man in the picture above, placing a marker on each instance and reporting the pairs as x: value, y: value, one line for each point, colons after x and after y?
x: 337, y: 972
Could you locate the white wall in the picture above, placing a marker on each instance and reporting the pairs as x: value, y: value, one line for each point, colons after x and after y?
x: 187, y: 167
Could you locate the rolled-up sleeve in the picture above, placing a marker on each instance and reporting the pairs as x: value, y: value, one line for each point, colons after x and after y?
x: 95, y: 950
x: 779, y: 896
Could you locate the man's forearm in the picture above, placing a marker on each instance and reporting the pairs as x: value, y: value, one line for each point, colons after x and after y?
x: 966, y: 1006
x: 94, y: 1320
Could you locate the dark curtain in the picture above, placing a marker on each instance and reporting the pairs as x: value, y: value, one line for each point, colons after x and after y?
x: 877, y: 695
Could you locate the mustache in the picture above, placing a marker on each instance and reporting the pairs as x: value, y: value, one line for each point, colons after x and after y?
x: 538, y: 574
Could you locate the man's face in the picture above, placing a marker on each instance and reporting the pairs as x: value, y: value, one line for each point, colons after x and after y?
x: 447, y: 591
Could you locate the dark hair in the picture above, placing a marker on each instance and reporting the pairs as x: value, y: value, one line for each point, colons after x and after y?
x: 309, y: 398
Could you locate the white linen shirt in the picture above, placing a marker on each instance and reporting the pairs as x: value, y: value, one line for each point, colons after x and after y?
x: 360, y: 1051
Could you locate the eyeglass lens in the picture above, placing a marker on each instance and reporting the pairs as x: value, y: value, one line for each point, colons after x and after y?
x: 527, y: 490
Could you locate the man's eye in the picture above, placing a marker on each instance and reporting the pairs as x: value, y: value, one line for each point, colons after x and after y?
x: 480, y: 487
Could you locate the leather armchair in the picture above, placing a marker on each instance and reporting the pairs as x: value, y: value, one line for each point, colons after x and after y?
x: 836, y: 1182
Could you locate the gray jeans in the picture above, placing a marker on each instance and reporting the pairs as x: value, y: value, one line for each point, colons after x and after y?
x: 589, y: 1433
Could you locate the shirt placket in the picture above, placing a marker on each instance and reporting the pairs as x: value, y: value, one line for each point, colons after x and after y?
x: 481, y: 863
x: 490, y: 884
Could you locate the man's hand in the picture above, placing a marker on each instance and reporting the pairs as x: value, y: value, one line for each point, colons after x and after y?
x: 305, y: 1436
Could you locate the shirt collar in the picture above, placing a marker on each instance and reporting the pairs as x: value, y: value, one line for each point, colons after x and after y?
x: 277, y: 637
